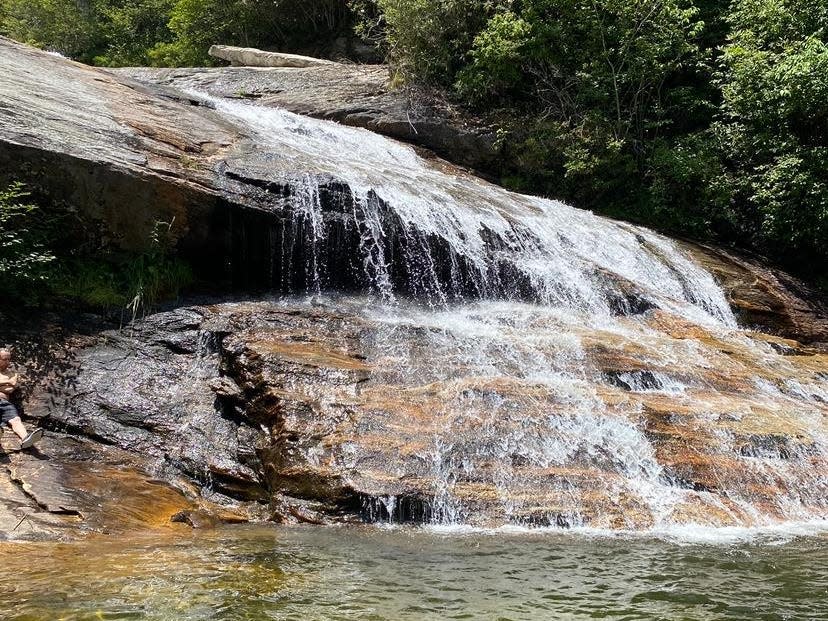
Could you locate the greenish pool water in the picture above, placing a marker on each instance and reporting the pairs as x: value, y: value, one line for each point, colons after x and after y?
x: 398, y: 574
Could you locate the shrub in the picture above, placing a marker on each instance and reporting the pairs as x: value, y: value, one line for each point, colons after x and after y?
x: 24, y: 257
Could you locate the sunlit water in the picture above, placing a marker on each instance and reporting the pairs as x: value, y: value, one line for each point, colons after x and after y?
x: 495, y: 244
x: 396, y: 574
x: 546, y: 333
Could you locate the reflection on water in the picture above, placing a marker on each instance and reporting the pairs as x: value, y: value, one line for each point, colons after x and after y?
x: 371, y: 573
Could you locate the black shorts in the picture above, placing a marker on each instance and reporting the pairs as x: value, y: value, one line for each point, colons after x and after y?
x: 7, y: 411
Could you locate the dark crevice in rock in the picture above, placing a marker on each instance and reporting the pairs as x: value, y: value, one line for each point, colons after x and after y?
x: 398, y: 510
x: 766, y: 447
x: 633, y: 380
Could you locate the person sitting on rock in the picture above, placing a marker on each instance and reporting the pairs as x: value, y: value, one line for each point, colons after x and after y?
x: 8, y: 413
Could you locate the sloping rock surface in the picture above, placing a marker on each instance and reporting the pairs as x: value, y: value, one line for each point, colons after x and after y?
x: 763, y: 297
x: 331, y: 409
x: 126, y: 155
x: 337, y: 409
x: 355, y: 95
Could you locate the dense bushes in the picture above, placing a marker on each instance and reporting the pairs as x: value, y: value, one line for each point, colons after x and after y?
x: 171, y: 32
x: 773, y: 125
x: 281, y: 24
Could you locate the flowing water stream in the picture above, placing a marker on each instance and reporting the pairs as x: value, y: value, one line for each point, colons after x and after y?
x: 456, y: 236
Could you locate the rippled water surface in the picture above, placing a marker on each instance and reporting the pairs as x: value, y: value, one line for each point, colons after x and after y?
x: 374, y: 573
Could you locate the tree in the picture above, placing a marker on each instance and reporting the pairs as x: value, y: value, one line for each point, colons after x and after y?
x: 64, y: 26
x: 267, y: 24
x: 774, y: 123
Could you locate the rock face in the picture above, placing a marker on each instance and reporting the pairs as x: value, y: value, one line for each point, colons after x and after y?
x: 463, y: 354
x: 334, y: 409
x: 69, y: 487
x: 126, y: 155
x: 766, y: 298
x: 251, y: 57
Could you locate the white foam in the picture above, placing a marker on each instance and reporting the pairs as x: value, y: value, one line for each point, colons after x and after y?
x: 685, y: 534
x: 561, y: 251
x: 577, y: 265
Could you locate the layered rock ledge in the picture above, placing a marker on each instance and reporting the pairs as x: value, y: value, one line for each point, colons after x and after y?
x: 329, y: 410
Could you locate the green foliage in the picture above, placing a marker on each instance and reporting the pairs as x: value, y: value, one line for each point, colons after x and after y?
x: 196, y: 24
x: 170, y: 32
x: 702, y: 117
x: 106, y: 32
x: 585, y: 85
x: 24, y: 259
x: 132, y: 29
x: 497, y: 57
x: 41, y: 261
x: 774, y: 122
x: 155, y: 273
x: 429, y: 39
x: 134, y: 282
x: 64, y: 26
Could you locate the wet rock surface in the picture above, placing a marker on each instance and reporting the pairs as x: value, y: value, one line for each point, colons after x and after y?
x: 338, y: 409
x: 68, y: 487
x: 557, y: 369
x: 355, y: 95
x: 765, y: 297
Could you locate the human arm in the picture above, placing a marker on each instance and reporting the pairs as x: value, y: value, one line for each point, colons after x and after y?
x: 8, y: 383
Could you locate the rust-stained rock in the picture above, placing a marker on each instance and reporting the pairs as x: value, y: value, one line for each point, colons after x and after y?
x: 66, y: 488
x: 766, y: 297
x: 345, y: 411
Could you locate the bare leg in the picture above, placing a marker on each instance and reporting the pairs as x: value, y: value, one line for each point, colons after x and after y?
x: 19, y: 428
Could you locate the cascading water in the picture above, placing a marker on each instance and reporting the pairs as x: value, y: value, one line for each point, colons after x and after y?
x: 458, y: 234
x: 538, y: 364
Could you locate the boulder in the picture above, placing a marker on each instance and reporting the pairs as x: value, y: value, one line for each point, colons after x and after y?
x: 251, y: 57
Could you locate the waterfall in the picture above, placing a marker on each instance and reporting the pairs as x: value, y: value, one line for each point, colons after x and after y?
x: 457, y: 236
x: 528, y: 337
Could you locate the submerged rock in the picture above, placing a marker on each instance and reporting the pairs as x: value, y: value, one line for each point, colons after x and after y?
x: 68, y: 487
